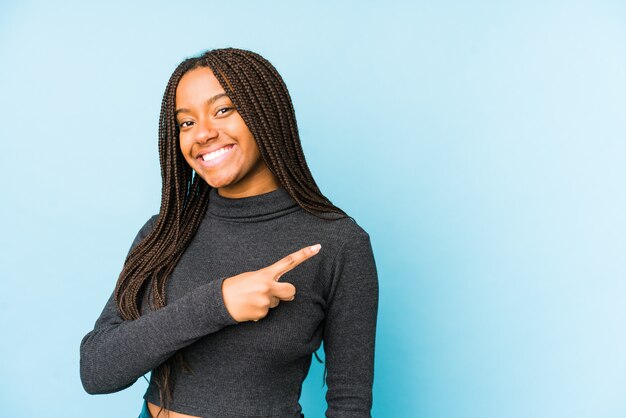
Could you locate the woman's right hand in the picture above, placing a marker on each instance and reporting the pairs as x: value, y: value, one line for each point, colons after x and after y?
x: 250, y: 295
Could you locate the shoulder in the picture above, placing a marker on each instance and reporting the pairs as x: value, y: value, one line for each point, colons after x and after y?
x: 148, y: 226
x: 145, y: 229
x: 353, y: 270
x: 355, y: 243
x: 150, y: 222
x: 339, y: 233
x: 349, y: 231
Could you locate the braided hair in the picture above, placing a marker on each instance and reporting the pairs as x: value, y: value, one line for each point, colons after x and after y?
x: 261, y: 97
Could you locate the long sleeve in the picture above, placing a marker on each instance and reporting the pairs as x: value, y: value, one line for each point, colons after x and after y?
x: 117, y: 352
x: 350, y: 330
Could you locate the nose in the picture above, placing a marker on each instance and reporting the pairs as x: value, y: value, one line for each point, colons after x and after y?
x: 205, y: 131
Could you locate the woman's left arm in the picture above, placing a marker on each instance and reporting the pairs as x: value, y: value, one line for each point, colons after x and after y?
x: 350, y: 330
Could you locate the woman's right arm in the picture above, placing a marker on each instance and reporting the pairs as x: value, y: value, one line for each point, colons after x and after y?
x: 117, y: 352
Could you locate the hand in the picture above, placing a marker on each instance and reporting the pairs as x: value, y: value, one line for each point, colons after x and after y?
x: 250, y: 295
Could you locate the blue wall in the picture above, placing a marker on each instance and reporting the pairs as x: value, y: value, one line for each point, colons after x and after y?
x: 481, y: 144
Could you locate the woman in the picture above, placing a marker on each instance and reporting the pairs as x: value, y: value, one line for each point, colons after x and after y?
x: 225, y: 293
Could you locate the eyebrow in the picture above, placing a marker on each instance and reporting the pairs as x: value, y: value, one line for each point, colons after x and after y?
x: 208, y: 102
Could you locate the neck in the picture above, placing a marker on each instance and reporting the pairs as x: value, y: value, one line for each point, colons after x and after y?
x: 253, y: 208
x: 260, y: 180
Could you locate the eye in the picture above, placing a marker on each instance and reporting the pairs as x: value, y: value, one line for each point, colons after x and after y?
x: 185, y: 124
x: 224, y: 110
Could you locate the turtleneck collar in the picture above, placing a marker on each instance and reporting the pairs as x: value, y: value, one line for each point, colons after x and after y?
x: 252, y: 208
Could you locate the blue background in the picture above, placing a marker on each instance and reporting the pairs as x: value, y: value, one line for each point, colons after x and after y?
x: 481, y: 144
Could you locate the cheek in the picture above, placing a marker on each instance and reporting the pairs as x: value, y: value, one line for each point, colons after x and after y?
x: 249, y: 145
x: 249, y: 154
x: 185, y: 141
x: 184, y: 146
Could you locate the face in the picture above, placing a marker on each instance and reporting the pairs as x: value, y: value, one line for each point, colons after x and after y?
x: 215, y: 141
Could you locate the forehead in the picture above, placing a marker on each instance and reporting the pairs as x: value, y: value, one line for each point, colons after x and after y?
x: 197, y: 86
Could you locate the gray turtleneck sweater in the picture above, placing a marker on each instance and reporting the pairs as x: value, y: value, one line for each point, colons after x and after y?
x: 250, y: 369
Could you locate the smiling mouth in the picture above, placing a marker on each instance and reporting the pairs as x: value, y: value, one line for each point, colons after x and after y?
x: 216, y: 158
x: 216, y: 154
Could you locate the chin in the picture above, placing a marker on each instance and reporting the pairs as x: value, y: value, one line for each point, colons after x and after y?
x: 217, y: 183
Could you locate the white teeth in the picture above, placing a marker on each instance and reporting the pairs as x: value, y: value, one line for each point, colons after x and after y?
x: 213, y: 155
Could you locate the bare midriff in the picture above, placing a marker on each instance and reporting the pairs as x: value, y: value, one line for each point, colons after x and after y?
x: 154, y: 410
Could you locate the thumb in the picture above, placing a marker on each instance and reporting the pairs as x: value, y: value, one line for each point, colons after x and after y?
x: 283, y: 290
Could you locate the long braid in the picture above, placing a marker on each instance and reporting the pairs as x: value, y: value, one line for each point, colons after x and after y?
x: 263, y: 101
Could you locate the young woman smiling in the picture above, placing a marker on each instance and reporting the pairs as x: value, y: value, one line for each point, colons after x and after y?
x: 242, y: 228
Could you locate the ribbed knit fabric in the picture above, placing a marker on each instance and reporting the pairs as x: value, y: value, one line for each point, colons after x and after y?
x: 250, y: 369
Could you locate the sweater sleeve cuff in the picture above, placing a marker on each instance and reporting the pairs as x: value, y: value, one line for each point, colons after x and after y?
x: 211, y: 299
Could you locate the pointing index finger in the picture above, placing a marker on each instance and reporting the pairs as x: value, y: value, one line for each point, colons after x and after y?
x: 291, y: 261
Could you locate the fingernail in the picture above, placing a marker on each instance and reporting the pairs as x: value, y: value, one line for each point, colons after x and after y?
x: 315, y: 248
